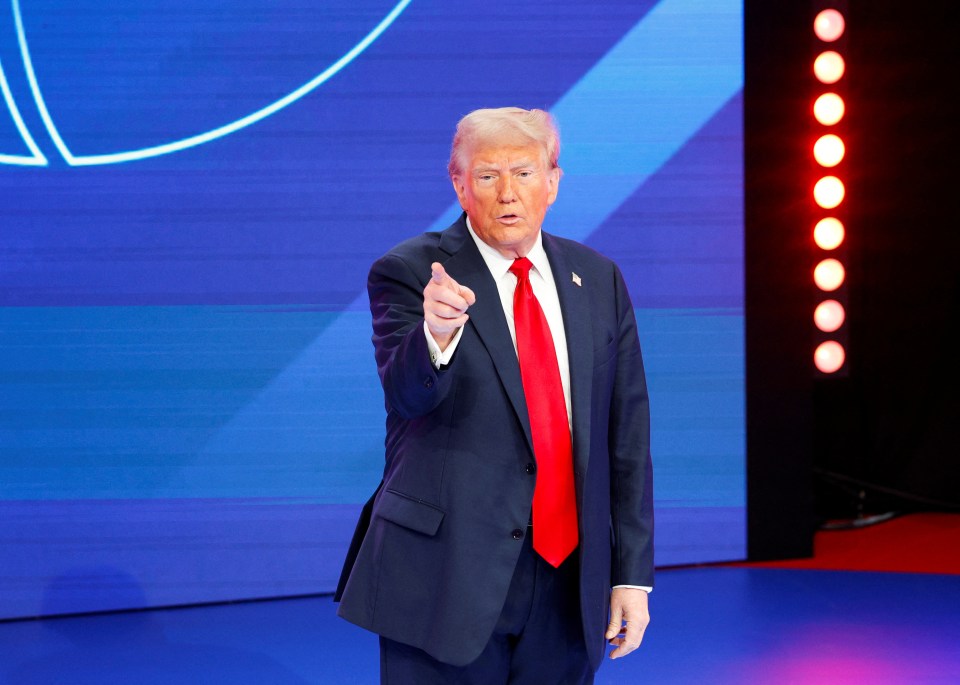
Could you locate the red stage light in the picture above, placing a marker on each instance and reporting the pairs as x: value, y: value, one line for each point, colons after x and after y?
x: 829, y: 356
x: 828, y: 233
x: 829, y: 274
x: 829, y: 192
x: 829, y: 316
x: 829, y: 109
x: 829, y: 67
x: 829, y: 150
x: 829, y: 25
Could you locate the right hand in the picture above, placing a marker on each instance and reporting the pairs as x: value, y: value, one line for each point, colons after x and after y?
x: 445, y: 304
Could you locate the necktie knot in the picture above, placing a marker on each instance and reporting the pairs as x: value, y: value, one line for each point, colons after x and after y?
x: 521, y: 267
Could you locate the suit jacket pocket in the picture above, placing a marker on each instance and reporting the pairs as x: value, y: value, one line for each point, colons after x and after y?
x: 409, y: 512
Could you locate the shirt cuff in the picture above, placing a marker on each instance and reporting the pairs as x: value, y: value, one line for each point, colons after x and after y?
x: 437, y: 357
x: 645, y: 588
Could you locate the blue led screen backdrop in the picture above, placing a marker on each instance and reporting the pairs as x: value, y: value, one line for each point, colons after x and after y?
x: 192, y: 194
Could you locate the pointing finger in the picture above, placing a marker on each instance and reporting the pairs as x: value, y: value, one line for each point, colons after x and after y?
x: 440, y: 277
x: 439, y: 273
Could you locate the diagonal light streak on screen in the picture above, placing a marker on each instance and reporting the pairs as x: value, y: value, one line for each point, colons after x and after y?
x: 675, y: 68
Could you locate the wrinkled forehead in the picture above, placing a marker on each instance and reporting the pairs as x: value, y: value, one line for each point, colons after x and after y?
x: 510, y: 149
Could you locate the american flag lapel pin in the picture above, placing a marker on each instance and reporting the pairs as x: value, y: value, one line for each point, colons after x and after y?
x: 576, y: 279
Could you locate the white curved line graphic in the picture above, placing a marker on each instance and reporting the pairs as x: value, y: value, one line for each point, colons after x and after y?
x: 38, y: 158
x: 192, y: 141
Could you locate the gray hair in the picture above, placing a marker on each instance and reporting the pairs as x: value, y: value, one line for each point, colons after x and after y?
x: 504, y: 126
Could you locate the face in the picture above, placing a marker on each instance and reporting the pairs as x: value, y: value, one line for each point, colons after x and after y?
x: 505, y: 191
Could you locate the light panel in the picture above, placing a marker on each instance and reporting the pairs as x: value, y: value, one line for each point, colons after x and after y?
x: 829, y: 192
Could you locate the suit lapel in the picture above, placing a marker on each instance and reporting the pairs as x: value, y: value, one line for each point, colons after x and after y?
x: 466, y: 265
x: 577, y: 325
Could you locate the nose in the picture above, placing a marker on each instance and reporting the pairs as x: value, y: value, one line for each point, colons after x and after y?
x: 505, y: 192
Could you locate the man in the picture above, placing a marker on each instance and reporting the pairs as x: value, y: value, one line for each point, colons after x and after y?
x: 515, y: 515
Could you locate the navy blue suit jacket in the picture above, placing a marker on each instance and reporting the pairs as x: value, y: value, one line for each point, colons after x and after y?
x: 434, y: 552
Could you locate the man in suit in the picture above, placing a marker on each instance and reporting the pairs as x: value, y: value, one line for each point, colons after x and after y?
x: 512, y: 534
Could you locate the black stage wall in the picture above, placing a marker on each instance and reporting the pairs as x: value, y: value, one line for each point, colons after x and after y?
x: 886, y: 434
x: 880, y: 435
x: 778, y: 331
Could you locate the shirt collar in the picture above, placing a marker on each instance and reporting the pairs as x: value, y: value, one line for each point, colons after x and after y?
x: 500, y: 265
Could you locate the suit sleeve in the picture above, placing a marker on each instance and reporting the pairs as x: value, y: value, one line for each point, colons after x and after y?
x: 631, y: 468
x: 412, y: 386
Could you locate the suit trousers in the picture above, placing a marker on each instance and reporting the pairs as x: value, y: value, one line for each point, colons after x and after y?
x: 538, y: 639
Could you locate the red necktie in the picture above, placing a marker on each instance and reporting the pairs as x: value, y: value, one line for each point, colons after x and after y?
x: 554, y: 498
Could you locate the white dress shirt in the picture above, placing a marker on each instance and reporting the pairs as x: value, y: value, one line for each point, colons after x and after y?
x: 545, y: 289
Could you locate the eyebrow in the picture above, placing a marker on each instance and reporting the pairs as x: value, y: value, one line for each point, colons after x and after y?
x: 522, y: 164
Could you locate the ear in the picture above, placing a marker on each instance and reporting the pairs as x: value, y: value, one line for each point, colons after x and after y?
x: 553, y: 184
x: 461, y: 190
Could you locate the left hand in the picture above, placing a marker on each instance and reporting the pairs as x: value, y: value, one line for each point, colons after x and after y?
x: 627, y: 606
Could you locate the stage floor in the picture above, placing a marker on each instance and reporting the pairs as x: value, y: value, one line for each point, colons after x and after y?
x: 712, y: 625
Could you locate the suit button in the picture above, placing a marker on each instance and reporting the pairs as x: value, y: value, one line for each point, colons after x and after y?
x: 517, y: 534
x: 428, y: 382
x: 530, y: 468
